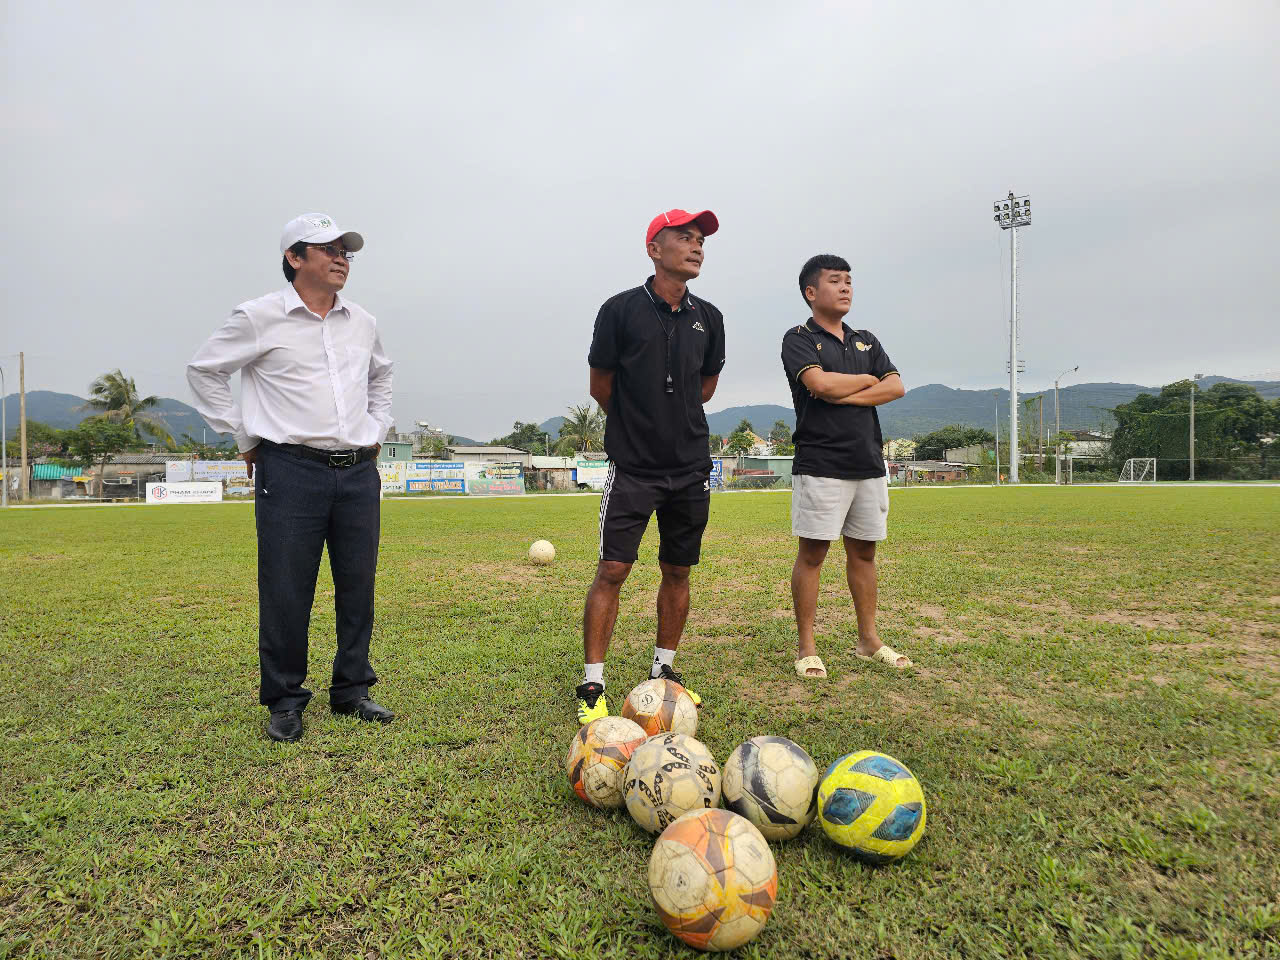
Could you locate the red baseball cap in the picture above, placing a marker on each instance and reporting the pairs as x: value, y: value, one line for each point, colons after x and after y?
x: 706, y: 220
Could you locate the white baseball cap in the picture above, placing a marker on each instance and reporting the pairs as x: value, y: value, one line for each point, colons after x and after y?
x: 318, y: 228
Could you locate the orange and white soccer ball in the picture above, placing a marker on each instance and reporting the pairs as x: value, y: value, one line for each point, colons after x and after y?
x: 598, y: 757
x: 667, y: 776
x: 662, y: 706
x: 713, y: 879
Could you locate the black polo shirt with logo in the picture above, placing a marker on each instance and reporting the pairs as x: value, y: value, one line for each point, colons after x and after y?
x: 641, y: 339
x: 834, y: 439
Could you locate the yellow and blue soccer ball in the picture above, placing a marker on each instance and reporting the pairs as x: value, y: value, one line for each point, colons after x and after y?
x: 872, y: 805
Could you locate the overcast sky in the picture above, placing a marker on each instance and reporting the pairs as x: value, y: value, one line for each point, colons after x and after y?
x: 503, y: 161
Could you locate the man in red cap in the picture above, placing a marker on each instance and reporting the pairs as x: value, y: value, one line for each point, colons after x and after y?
x: 655, y: 357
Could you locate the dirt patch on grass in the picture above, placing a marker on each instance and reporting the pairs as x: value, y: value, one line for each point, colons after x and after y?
x: 1145, y: 621
x: 1251, y: 645
x: 1193, y: 647
x: 931, y: 610
x: 1061, y: 607
x: 715, y: 634
x: 939, y: 635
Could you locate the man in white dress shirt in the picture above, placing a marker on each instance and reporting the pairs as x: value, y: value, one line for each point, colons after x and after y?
x: 315, y: 404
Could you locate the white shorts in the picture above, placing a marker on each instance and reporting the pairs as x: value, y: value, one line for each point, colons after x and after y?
x: 825, y: 508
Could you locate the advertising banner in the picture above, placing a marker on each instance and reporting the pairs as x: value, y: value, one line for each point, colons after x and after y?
x: 592, y: 472
x: 393, y: 476
x: 232, y: 474
x: 717, y: 473
x: 191, y: 491
x: 490, y: 479
x: 435, y: 476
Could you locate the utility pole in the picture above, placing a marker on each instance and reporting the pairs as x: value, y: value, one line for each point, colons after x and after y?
x: 1011, y: 213
x: 1040, y: 431
x: 1057, y: 424
x: 995, y: 397
x: 1193, y: 424
x: 24, y: 484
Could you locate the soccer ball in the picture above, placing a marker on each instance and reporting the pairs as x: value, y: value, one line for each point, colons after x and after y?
x: 774, y: 784
x: 542, y: 552
x: 661, y: 706
x: 669, y: 775
x: 713, y: 879
x: 872, y: 805
x: 597, y: 758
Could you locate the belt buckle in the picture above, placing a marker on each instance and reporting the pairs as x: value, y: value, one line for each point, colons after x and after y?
x: 342, y: 459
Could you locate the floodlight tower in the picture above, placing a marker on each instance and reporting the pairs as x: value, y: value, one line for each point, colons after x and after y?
x: 1011, y: 213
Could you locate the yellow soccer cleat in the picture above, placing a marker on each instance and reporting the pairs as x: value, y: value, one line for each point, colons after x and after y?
x: 591, y: 703
x: 666, y: 673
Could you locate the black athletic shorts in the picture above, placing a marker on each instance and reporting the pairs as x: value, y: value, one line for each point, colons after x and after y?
x: 682, y: 503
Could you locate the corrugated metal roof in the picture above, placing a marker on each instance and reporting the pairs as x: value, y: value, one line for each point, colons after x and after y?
x: 51, y: 471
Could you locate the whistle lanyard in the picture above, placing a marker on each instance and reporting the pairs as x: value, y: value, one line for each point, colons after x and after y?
x: 670, y: 332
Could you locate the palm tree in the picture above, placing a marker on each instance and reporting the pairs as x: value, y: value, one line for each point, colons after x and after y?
x: 584, y: 426
x: 117, y: 397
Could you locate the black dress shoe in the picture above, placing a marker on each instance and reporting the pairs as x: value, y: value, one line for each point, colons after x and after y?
x: 365, y: 709
x: 285, y: 726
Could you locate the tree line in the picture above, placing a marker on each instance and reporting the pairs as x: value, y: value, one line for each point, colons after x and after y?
x: 1235, y: 427
x: 121, y: 423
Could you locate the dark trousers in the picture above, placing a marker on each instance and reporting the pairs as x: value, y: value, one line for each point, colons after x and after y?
x: 302, y: 505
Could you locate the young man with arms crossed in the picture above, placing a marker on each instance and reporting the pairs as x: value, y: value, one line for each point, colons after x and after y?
x: 655, y: 358
x: 315, y: 404
x: 838, y: 376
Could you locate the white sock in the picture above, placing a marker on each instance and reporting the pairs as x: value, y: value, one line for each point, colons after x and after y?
x: 593, y: 673
x: 661, y: 656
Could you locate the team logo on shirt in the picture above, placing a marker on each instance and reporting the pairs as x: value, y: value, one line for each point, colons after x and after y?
x: 862, y: 346
x: 697, y: 325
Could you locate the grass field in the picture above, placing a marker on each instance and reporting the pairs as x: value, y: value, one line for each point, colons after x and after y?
x: 1095, y: 721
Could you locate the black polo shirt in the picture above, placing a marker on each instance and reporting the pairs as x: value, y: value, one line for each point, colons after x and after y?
x: 650, y: 431
x: 834, y: 439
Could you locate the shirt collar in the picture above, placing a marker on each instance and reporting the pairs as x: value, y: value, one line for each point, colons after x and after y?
x: 846, y: 331
x: 657, y: 301
x: 294, y: 302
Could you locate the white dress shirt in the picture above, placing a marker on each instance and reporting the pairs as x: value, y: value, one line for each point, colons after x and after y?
x: 320, y: 381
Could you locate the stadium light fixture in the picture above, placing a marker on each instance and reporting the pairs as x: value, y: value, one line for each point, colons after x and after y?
x: 1013, y: 212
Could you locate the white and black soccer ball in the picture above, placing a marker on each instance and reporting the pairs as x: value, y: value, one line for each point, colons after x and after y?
x: 773, y: 782
x: 669, y: 775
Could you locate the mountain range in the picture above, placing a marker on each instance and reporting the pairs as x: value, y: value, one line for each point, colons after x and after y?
x: 63, y: 410
x: 1084, y: 406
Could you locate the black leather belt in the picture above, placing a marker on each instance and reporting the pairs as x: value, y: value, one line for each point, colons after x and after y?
x: 330, y: 458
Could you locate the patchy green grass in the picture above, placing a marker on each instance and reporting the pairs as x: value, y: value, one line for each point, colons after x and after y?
x: 1094, y: 721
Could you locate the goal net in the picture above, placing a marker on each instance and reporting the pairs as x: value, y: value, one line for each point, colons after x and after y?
x: 1139, y: 470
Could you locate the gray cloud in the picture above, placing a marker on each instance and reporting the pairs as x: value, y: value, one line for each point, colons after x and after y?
x: 503, y: 160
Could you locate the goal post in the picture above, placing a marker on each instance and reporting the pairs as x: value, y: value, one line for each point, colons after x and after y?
x: 1138, y: 470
